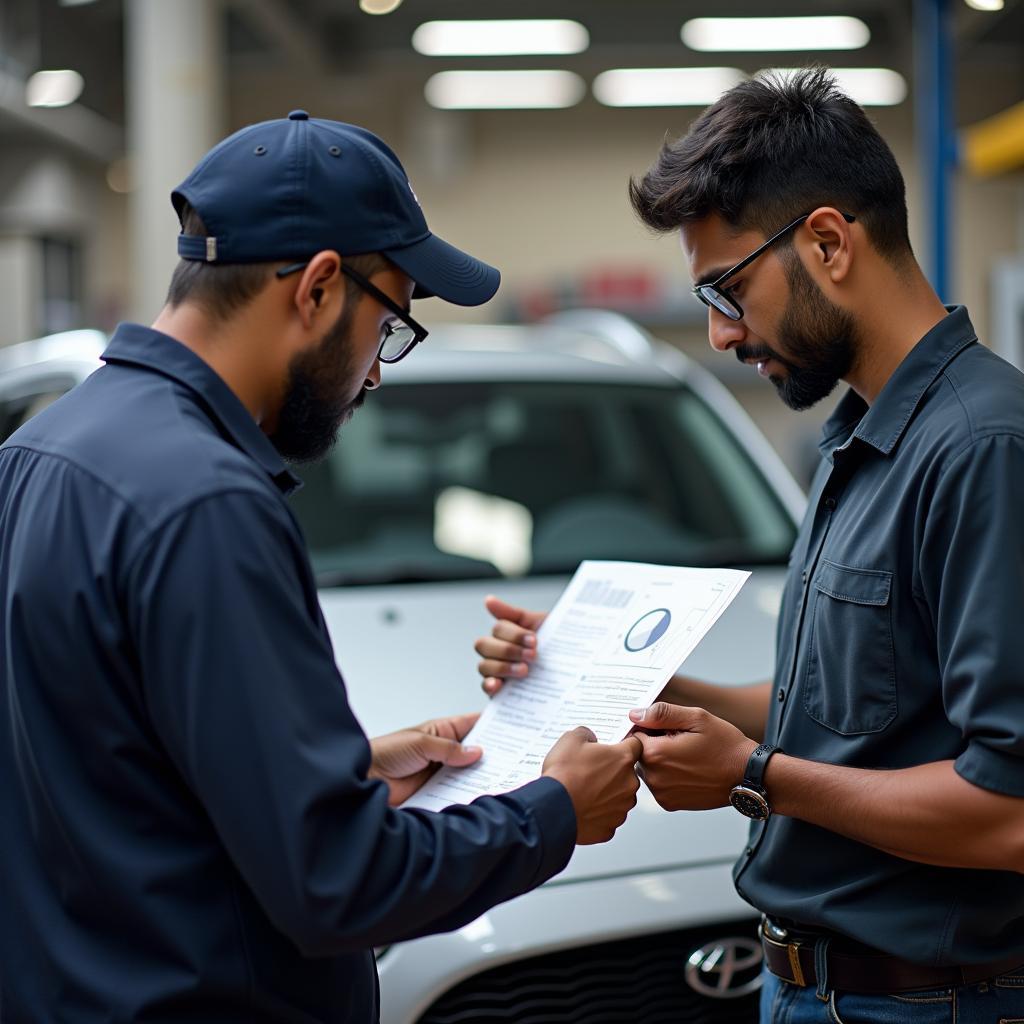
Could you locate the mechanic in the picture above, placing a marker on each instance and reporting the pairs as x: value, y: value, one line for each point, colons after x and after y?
x: 884, y: 764
x: 194, y: 825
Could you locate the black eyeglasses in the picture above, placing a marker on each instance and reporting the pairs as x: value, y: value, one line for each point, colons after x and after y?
x: 400, y: 333
x: 713, y: 294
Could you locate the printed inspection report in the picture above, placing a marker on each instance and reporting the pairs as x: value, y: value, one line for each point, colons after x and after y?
x: 618, y: 633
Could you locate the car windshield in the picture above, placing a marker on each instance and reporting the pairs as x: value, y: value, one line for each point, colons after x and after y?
x: 444, y: 481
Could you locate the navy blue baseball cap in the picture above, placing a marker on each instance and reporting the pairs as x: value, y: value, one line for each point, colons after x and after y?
x: 288, y: 189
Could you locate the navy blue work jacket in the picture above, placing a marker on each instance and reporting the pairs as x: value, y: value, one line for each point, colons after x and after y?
x: 187, y: 828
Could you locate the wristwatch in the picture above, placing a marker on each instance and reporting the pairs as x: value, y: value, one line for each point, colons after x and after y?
x: 749, y: 797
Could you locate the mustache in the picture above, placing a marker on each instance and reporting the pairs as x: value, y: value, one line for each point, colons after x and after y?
x: 758, y: 352
x: 761, y: 352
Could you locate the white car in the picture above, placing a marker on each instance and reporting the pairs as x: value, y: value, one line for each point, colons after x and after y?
x: 493, y: 460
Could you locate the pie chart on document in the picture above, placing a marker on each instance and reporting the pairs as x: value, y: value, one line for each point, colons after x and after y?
x: 648, y: 630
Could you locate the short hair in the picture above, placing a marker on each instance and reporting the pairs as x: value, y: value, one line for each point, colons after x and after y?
x: 771, y: 149
x: 222, y: 289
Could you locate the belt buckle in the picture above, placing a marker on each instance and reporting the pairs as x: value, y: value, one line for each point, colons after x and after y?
x: 779, y: 936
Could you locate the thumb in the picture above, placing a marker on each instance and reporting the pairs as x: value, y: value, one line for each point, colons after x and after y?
x: 442, y: 751
x: 666, y: 716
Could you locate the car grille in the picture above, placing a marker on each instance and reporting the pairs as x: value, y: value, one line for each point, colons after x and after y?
x: 631, y: 980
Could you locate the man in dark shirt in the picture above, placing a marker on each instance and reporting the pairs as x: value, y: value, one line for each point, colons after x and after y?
x: 887, y: 851
x: 194, y: 826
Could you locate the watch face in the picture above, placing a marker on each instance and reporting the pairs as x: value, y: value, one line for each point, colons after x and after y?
x: 750, y: 803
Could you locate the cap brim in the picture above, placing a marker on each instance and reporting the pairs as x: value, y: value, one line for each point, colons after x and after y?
x: 440, y: 269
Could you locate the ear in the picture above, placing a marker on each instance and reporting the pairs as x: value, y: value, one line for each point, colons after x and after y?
x: 831, y: 242
x: 320, y: 293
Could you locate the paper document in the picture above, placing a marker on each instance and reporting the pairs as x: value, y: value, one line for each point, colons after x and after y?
x: 617, y: 635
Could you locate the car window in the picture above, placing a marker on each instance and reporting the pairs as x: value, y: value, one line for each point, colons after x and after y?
x: 462, y: 480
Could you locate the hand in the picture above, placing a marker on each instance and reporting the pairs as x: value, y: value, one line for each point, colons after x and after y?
x: 512, y: 645
x: 407, y: 758
x: 601, y: 780
x: 695, y: 761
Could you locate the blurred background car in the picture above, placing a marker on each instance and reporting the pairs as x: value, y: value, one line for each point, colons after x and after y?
x: 496, y: 460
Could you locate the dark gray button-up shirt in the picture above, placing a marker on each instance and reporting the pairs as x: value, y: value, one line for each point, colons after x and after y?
x: 901, y: 642
x: 186, y: 827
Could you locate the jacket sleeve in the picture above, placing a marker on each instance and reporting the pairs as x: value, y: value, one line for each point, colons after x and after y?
x: 241, y: 686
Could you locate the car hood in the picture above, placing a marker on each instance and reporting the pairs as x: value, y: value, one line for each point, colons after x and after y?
x: 406, y: 653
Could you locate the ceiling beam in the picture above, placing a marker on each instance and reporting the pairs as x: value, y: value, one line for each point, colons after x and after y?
x: 74, y: 126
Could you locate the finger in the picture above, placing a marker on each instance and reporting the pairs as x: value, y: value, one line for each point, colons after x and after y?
x: 583, y: 734
x: 501, y: 650
x: 461, y: 724
x: 491, y: 685
x: 509, y: 631
x: 502, y: 669
x: 513, y: 613
x: 442, y: 751
x: 667, y: 716
x: 633, y: 747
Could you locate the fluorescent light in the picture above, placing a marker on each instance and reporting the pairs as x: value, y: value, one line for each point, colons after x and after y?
x: 814, y: 33
x: 664, y: 87
x: 870, y: 87
x: 985, y: 5
x: 53, y: 88
x: 379, y: 6
x: 495, y: 90
x: 499, y: 38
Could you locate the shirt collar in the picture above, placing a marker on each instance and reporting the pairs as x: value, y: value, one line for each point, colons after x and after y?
x: 135, y: 345
x: 882, y: 424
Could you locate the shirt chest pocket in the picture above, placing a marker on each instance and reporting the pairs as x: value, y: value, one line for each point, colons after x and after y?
x: 850, y: 682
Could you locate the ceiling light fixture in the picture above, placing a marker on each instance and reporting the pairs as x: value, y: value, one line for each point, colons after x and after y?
x: 753, y: 34
x: 500, y: 38
x: 985, y: 5
x: 504, y: 90
x: 379, y: 6
x: 53, y: 88
x: 870, y: 87
x: 664, y: 87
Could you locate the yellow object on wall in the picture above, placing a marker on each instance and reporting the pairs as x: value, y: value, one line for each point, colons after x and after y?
x: 996, y: 144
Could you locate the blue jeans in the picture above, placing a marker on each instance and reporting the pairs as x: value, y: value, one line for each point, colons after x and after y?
x: 1000, y: 1001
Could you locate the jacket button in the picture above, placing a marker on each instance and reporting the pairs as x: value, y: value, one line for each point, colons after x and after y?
x: 782, y: 695
x: 830, y: 504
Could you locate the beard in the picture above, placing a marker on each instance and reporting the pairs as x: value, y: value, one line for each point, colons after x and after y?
x: 820, y: 337
x: 314, y: 407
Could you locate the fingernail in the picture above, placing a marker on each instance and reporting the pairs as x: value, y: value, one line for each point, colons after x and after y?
x: 489, y: 686
x: 520, y: 667
x: 528, y: 653
x: 473, y: 750
x: 637, y: 714
x: 529, y: 640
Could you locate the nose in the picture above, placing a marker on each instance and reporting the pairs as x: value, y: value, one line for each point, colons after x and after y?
x: 723, y: 333
x: 372, y: 381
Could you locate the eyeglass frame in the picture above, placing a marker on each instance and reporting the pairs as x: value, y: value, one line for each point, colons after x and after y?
x: 715, y: 286
x: 420, y: 332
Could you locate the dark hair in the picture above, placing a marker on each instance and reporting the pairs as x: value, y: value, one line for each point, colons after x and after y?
x: 221, y: 289
x: 771, y: 149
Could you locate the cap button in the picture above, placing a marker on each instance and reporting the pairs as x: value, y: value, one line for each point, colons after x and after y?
x: 298, y: 115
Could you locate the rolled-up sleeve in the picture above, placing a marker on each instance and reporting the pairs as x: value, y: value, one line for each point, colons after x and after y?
x: 972, y: 571
x: 241, y: 687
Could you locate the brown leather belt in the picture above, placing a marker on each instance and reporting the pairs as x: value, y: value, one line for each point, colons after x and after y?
x: 871, y: 971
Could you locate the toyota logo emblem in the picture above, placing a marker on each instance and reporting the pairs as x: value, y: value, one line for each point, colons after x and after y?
x: 726, y: 969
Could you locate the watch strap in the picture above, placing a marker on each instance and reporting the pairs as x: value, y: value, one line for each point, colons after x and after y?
x: 753, y: 776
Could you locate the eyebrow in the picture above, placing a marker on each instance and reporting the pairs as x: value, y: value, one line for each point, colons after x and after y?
x: 712, y: 275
